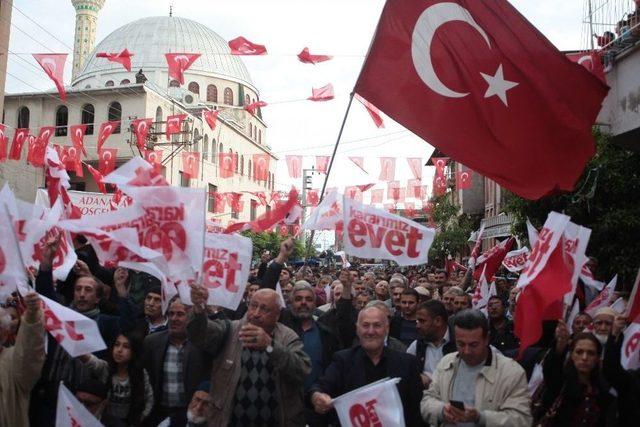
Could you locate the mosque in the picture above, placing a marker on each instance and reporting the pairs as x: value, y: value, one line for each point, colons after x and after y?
x: 101, y: 90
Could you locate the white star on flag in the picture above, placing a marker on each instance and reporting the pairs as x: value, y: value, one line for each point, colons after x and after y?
x: 498, y: 86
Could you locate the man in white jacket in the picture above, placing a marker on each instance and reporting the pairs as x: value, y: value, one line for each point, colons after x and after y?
x: 491, y: 387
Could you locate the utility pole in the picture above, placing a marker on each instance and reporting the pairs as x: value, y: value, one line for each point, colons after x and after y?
x: 307, y: 183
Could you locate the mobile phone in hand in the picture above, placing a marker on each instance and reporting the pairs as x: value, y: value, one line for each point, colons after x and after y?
x: 457, y: 404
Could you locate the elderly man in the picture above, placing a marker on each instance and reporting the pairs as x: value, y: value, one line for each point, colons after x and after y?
x: 20, y: 365
x: 382, y: 290
x: 368, y: 362
x: 154, y: 320
x: 492, y: 387
x: 259, y: 365
x: 335, y: 292
x: 603, y: 323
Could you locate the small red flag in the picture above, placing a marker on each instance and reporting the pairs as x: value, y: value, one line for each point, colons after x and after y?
x: 174, y: 124
x: 387, y: 168
x: 324, y: 93
x: 440, y: 163
x: 71, y: 160
x: 414, y: 189
x: 77, y: 137
x: 365, y: 187
x: 439, y: 185
x: 313, y: 197
x: 19, y: 138
x: 372, y: 110
x: 211, y: 117
x: 359, y: 161
x: 251, y: 108
x: 191, y: 163
x: 97, y: 176
x: 464, y: 179
x: 294, y: 166
x: 234, y: 200
x: 123, y: 58
x: 107, y: 160
x: 308, y: 58
x: 106, y: 129
x: 141, y: 129
x: 415, y: 164
x: 377, y: 196
x: 179, y: 63
x: 261, y: 166
x: 53, y: 65
x: 39, y: 148
x: 242, y: 46
x: 322, y: 163
x: 154, y: 157
x: 3, y: 143
x: 409, y: 209
x: 226, y: 164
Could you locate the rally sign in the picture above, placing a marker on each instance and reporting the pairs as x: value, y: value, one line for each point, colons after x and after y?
x: 11, y: 268
x: 514, y: 261
x: 630, y: 356
x: 88, y: 202
x: 327, y: 215
x: 375, y: 405
x: 374, y: 233
x: 71, y: 413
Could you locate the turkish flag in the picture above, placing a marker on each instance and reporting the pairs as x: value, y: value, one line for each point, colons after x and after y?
x: 19, y: 138
x: 591, y: 61
x: 270, y: 218
x: 480, y: 83
x: 77, y: 133
x: 294, y: 166
x: 365, y: 187
x: 179, y: 63
x: 464, y: 179
x: 409, y: 209
x: 313, y: 197
x: 141, y: 129
x: 490, y: 261
x: 396, y: 193
x: 415, y: 164
x: 191, y: 163
x: 377, y: 196
x: 261, y: 166
x: 372, y: 110
x: 322, y: 163
x: 324, y: 93
x: 234, y: 200
x: 106, y: 129
x: 262, y: 198
x: 275, y: 197
x: 3, y: 143
x: 251, y: 108
x: 107, y: 160
x: 174, y: 124
x: 211, y: 117
x: 242, y: 46
x: 440, y: 163
x: 97, y: 176
x: 351, y: 192
x: 154, y: 157
x: 39, y: 148
x: 308, y: 58
x: 633, y: 307
x: 226, y: 164
x: 123, y: 58
x: 53, y: 65
x: 387, y: 168
x: 439, y: 185
x: 414, y: 188
x: 359, y: 161
x: 71, y: 160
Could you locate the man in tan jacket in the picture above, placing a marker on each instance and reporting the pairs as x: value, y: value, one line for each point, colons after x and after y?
x: 21, y: 364
x: 476, y: 386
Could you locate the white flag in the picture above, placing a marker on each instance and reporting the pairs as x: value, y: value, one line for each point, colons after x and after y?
x: 327, y: 215
x: 12, y: 270
x: 376, y: 404
x: 71, y: 413
x: 630, y: 354
x: 603, y: 299
x: 514, y: 261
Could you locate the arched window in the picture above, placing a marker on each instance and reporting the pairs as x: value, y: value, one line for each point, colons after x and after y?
x: 212, y: 93
x: 228, y: 96
x: 109, y: 83
x: 196, y: 137
x: 250, y: 131
x: 260, y: 136
x: 214, y: 151
x: 249, y: 169
x: 205, y: 148
x: 174, y: 83
x: 242, y: 165
x: 115, y: 114
x: 221, y: 150
x: 125, y: 82
x: 247, y: 101
x: 255, y: 132
x: 88, y: 117
x: 194, y: 88
x: 62, y: 120
x: 23, y: 117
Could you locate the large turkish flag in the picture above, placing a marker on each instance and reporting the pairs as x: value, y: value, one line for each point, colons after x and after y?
x: 478, y: 81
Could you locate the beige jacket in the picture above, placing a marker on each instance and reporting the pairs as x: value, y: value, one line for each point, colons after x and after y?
x: 501, y: 392
x: 20, y: 368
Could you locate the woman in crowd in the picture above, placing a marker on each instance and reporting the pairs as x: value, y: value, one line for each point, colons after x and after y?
x: 130, y: 393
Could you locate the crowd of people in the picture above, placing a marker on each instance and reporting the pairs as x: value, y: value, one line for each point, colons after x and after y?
x: 302, y: 337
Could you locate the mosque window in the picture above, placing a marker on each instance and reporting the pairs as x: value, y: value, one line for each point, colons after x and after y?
x: 237, y: 165
x: 249, y: 170
x: 174, y: 83
x: 221, y: 150
x: 242, y: 165
x: 115, y: 114
x: 247, y: 101
x: 205, y: 148
x: 125, y: 82
x: 196, y: 138
x: 88, y: 117
x: 255, y: 132
x: 62, y: 120
x: 212, y: 93
x: 228, y: 96
x: 109, y: 83
x: 250, y: 131
x: 23, y: 117
x: 259, y: 136
x: 194, y: 88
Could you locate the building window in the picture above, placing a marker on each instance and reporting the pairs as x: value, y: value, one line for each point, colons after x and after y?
x: 196, y: 139
x: 109, y: 83
x: 205, y: 148
x: 260, y: 136
x: 255, y: 132
x: 228, y: 96
x: 211, y: 200
x: 212, y: 93
x: 174, y: 83
x: 23, y: 118
x: 254, y: 209
x: 250, y: 131
x: 237, y: 166
x: 125, y: 82
x: 249, y: 170
x: 88, y: 117
x: 62, y: 120
x: 184, y: 179
x: 247, y: 101
x: 214, y: 151
x: 115, y: 114
x: 221, y: 150
x: 194, y: 88
x: 242, y: 165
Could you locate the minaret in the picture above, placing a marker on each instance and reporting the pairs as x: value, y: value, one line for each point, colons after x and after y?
x: 86, y: 24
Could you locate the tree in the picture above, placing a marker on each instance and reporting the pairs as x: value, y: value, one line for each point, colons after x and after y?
x: 453, y: 230
x: 605, y: 200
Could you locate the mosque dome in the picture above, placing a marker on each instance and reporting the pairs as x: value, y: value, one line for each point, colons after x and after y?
x: 148, y: 39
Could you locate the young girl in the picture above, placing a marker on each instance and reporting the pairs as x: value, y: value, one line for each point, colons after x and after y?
x: 130, y: 393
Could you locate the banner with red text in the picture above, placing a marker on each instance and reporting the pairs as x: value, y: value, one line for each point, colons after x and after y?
x: 376, y: 404
x: 71, y: 413
x: 514, y: 261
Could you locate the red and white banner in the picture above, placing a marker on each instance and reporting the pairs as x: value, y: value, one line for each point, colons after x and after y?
x: 492, y: 258
x: 374, y: 233
x: 141, y: 129
x: 242, y: 46
x: 106, y: 129
x: 77, y: 133
x: 191, y: 164
x: 604, y: 298
x: 387, y: 168
x: 327, y: 215
x: 324, y: 93
x: 227, y: 164
x: 174, y: 124
x: 574, y: 241
x: 375, y: 405
x: 630, y: 352
x: 373, y: 111
x: 3, y: 142
x: 322, y: 163
x: 633, y: 308
x: 11, y: 268
x: 88, y: 202
x: 71, y: 413
x: 294, y: 166
x: 107, y: 160
x: 415, y: 165
x: 211, y: 117
x: 261, y: 166
x: 253, y: 107
x: 53, y: 65
x: 305, y: 57
x: 124, y: 58
x: 179, y: 63
x: 19, y: 138
x: 464, y: 180
x: 515, y: 261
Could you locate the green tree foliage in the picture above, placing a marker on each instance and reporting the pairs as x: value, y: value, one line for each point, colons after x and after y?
x: 453, y: 231
x: 606, y: 200
x: 271, y: 242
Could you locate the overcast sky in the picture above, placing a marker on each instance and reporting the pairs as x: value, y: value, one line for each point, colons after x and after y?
x: 339, y: 27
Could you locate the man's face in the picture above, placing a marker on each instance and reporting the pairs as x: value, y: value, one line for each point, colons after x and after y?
x: 408, y: 304
x: 263, y: 311
x: 361, y: 302
x: 372, y: 328
x: 472, y: 346
x: 345, y: 276
x: 252, y: 290
x: 426, y: 325
x: 85, y: 294
x: 354, y: 275
x: 382, y: 289
x: 325, y: 281
x: 94, y: 404
x: 337, y: 291
x: 396, y: 294
x: 197, y: 410
x: 502, y: 286
x: 602, y: 324
x: 153, y: 305
x: 368, y: 280
x: 495, y: 309
x: 303, y: 304
x: 285, y: 277
x: 177, y: 319
x: 460, y: 303
x: 423, y: 281
x: 358, y: 287
x: 447, y: 300
x: 580, y: 323
x: 440, y: 278
x: 431, y: 277
x: 286, y: 292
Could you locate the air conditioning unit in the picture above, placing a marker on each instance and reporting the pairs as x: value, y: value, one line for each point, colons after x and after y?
x: 189, y: 98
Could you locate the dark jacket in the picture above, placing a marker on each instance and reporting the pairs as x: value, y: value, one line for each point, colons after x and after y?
x: 421, y: 348
x: 347, y: 373
x: 505, y: 339
x: 270, y: 274
x: 626, y: 383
